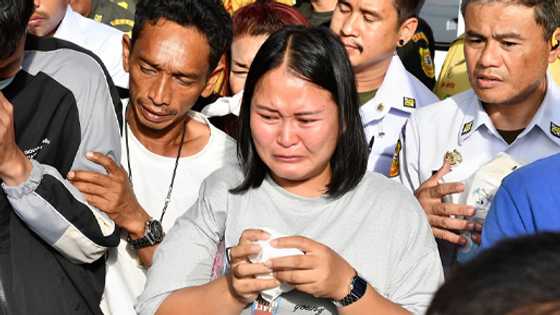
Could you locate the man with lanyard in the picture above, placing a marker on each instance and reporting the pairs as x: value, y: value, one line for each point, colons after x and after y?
x: 173, y: 59
x: 509, y: 118
x: 371, y: 30
x: 51, y: 241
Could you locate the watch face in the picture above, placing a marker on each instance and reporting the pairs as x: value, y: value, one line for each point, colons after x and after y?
x: 156, y: 231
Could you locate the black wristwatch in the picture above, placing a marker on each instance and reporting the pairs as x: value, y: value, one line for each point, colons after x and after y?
x: 153, y: 234
x: 357, y: 290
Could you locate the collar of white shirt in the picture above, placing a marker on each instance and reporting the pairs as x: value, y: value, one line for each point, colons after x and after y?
x: 70, y: 27
x: 547, y: 117
x: 398, y: 91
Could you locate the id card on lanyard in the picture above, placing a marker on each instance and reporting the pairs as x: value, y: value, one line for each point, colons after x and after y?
x: 262, y: 307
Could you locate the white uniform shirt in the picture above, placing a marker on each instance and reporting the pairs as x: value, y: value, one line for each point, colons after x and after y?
x: 460, y: 123
x: 151, y: 176
x: 102, y: 40
x: 384, y: 115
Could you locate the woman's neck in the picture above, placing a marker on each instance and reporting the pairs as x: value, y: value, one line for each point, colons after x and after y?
x: 315, y: 186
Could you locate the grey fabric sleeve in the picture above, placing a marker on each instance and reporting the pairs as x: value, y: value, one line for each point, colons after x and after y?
x: 418, y: 273
x: 84, y: 77
x: 54, y: 209
x: 179, y: 263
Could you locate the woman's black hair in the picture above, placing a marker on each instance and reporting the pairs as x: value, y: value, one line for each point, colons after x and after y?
x: 316, y: 55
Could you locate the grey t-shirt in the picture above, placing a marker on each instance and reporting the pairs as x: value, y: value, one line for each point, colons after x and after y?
x: 378, y: 227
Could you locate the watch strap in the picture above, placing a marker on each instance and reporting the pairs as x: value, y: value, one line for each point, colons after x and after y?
x: 150, y: 237
x: 357, y: 290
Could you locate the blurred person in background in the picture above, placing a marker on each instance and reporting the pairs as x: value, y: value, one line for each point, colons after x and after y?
x: 252, y: 25
x: 56, y: 18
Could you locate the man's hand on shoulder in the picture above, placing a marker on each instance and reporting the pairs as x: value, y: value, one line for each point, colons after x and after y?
x: 111, y: 193
x: 441, y: 215
x: 15, y: 167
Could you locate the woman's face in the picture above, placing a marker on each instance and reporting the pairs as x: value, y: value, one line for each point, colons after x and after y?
x: 243, y: 51
x: 294, y: 125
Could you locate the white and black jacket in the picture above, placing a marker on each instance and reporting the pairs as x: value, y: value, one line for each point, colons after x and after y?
x: 51, y: 240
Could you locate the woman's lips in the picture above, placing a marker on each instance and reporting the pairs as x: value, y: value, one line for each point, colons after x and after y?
x: 288, y: 158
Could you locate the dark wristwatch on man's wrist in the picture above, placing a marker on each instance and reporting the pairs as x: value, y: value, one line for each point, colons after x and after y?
x: 153, y: 234
x: 358, y: 288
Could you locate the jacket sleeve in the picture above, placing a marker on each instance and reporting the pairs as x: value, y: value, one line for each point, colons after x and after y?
x: 50, y: 205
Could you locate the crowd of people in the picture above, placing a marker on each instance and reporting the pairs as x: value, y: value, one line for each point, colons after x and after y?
x: 277, y: 157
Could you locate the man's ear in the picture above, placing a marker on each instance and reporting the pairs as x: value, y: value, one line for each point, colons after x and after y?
x: 126, y: 52
x: 219, y: 72
x: 407, y: 30
x: 554, y: 46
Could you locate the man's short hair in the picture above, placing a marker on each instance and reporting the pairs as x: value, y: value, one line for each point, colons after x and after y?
x: 407, y: 9
x: 265, y: 18
x: 14, y: 16
x: 315, y: 55
x: 547, y: 12
x: 209, y: 17
x: 516, y: 277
